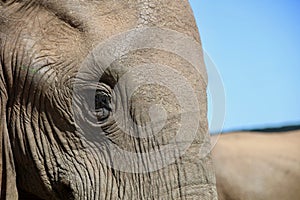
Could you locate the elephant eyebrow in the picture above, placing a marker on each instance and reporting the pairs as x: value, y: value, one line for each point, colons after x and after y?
x: 63, y: 14
x: 76, y: 24
x: 52, y: 7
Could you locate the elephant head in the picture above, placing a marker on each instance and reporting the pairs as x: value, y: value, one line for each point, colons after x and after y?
x: 102, y: 100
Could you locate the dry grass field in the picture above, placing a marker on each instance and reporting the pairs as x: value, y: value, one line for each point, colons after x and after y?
x: 258, y: 166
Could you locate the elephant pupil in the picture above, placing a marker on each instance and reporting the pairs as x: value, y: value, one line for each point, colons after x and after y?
x: 102, y: 105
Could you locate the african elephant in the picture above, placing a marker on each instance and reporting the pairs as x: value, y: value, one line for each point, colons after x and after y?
x: 257, y: 165
x: 102, y: 100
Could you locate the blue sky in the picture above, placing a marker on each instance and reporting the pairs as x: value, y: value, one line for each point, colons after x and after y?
x: 255, y: 45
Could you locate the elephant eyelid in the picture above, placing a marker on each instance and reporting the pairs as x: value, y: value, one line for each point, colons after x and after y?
x: 103, y: 93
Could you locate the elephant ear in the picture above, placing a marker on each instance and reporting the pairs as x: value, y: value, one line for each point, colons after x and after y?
x: 8, y: 187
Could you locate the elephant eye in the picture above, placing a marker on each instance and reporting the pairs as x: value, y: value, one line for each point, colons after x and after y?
x: 102, y: 105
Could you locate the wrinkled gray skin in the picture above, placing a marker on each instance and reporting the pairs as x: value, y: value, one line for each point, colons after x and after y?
x: 44, y: 155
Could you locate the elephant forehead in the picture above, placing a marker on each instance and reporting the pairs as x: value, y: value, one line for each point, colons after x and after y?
x: 51, y: 30
x: 117, y: 16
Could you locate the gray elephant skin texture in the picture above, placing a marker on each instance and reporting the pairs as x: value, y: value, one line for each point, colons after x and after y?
x: 102, y: 100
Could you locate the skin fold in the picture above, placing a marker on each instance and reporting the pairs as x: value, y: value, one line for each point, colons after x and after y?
x: 254, y: 165
x: 46, y: 154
